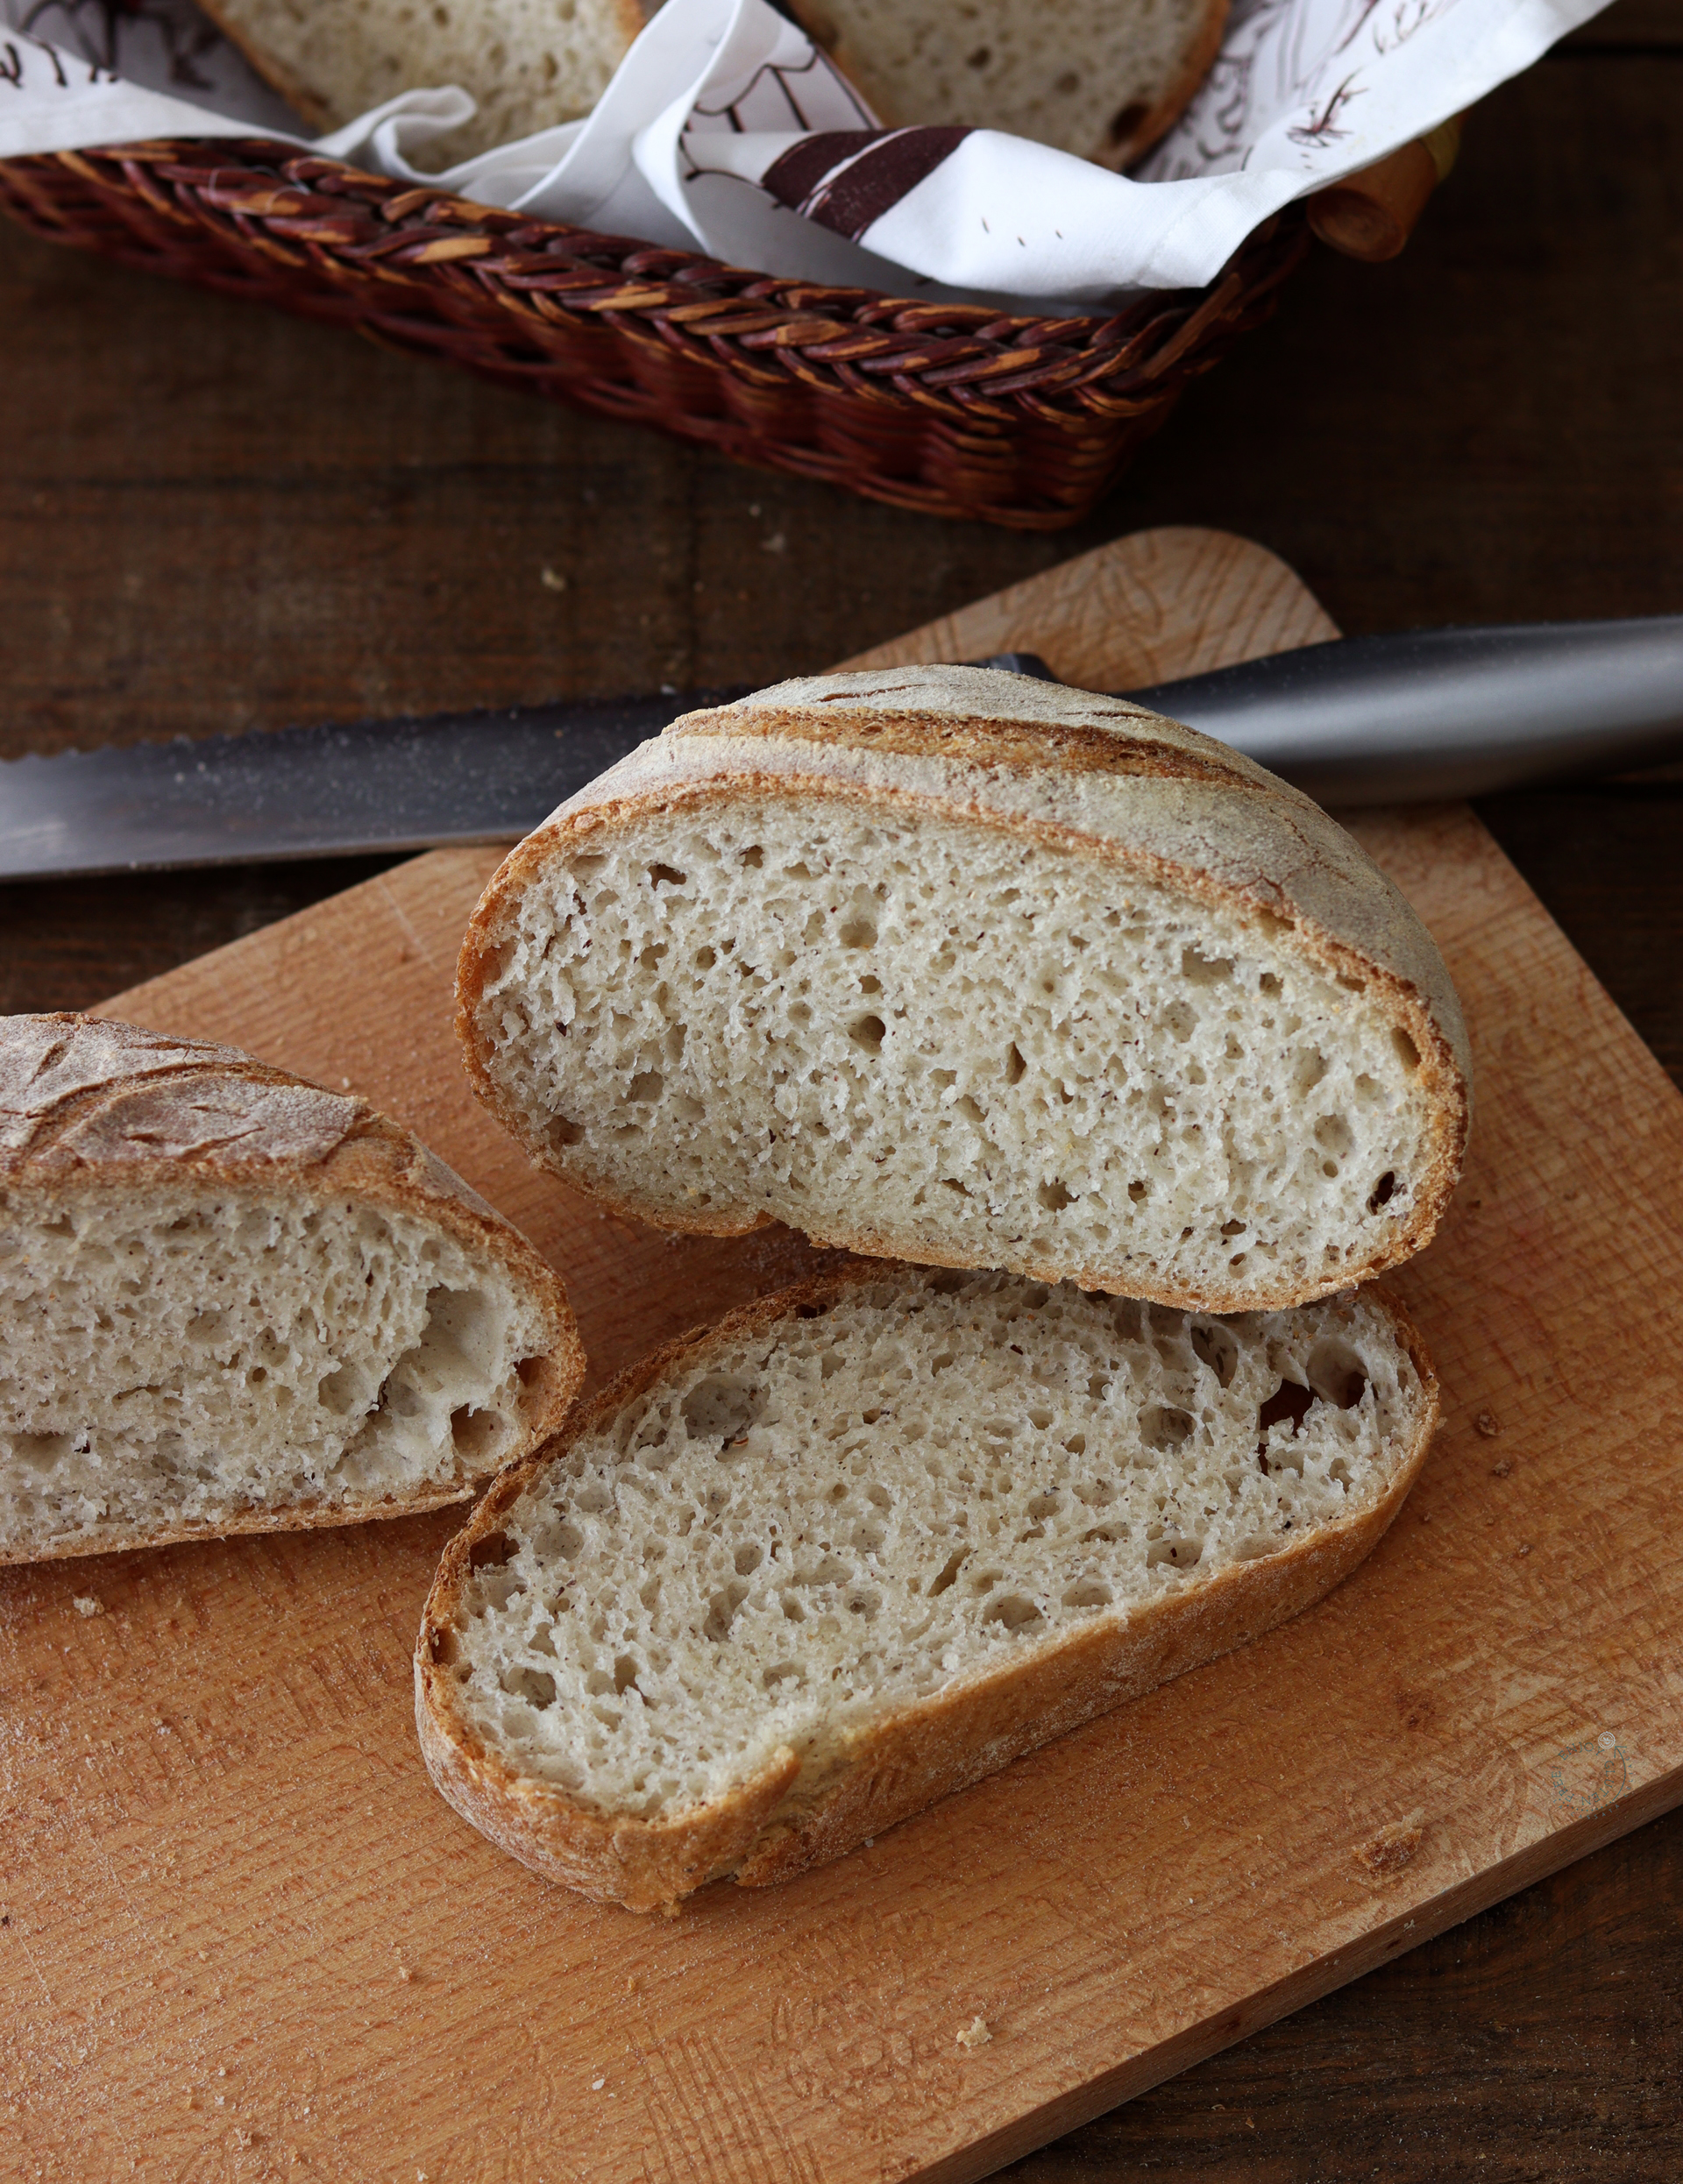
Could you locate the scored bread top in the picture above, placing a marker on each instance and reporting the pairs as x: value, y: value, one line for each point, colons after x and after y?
x: 75, y: 1089
x: 87, y: 1101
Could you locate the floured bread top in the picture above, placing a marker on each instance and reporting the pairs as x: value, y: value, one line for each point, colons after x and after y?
x: 821, y: 1516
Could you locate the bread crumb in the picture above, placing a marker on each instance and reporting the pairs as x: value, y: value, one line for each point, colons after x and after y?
x: 1392, y: 1847
x: 1488, y: 1424
x: 974, y: 2034
x: 596, y: 2084
x: 405, y: 1975
x: 1526, y: 1549
x: 85, y: 1604
x: 552, y: 580
x: 1502, y: 1470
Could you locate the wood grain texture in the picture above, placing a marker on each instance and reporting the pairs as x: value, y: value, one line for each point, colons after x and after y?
x: 1141, y: 610
x: 222, y: 1854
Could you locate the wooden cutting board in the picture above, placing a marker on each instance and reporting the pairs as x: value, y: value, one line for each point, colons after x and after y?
x: 241, y: 1938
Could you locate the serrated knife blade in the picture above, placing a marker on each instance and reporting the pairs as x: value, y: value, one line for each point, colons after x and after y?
x: 1421, y: 714
x: 373, y: 786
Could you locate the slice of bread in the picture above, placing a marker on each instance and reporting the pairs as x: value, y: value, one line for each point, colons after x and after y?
x: 231, y: 1301
x: 1101, y: 78
x: 863, y: 1543
x: 529, y: 65
x: 949, y: 965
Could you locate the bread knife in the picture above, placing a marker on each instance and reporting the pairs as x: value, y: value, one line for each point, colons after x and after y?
x: 1396, y: 718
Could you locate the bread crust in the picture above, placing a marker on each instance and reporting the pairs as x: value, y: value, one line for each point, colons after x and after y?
x: 758, y: 1833
x: 91, y: 1106
x: 318, y: 108
x: 311, y: 107
x: 1196, y: 63
x: 1082, y: 774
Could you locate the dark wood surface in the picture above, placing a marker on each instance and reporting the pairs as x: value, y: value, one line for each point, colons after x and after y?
x: 212, y: 517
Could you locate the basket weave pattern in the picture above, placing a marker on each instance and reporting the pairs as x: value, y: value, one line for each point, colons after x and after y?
x: 951, y: 410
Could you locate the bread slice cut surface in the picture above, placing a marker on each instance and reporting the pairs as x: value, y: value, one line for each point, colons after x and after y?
x: 864, y: 1543
x: 529, y: 64
x: 230, y: 1301
x: 1101, y: 78
x: 951, y: 966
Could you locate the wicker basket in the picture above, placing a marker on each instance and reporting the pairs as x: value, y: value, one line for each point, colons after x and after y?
x: 951, y: 410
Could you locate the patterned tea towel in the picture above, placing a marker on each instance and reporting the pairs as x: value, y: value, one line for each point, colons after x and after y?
x: 726, y: 131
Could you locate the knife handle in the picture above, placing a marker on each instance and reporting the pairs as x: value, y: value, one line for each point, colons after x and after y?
x: 1371, y: 214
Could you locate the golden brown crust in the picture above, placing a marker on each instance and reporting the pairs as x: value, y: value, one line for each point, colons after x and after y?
x: 312, y: 108
x: 1195, y: 64
x: 320, y: 111
x: 90, y: 1105
x: 914, y: 1756
x: 1430, y: 1018
x: 974, y: 739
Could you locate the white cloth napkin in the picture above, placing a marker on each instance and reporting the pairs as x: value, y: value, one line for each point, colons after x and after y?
x: 726, y: 131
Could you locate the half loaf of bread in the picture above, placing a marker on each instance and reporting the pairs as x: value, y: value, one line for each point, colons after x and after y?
x: 1101, y: 78
x: 793, y: 1579
x: 949, y: 965
x: 231, y: 1301
x: 527, y: 63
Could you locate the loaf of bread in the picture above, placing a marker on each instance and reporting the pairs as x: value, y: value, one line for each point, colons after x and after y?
x: 1101, y: 78
x: 794, y: 1579
x: 950, y: 965
x: 528, y: 64
x: 231, y: 1301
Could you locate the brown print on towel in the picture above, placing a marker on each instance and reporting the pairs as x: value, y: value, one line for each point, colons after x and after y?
x: 98, y: 30
x: 846, y: 179
x: 773, y: 96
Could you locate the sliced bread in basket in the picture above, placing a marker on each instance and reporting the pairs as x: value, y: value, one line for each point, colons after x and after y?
x: 231, y: 1301
x: 794, y: 1579
x: 528, y: 64
x: 949, y: 965
x: 1101, y: 78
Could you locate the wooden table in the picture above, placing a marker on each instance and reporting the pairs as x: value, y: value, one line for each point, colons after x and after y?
x: 212, y: 517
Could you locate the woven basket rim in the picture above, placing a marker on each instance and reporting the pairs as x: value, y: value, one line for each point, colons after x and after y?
x: 1020, y: 418
x: 428, y: 204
